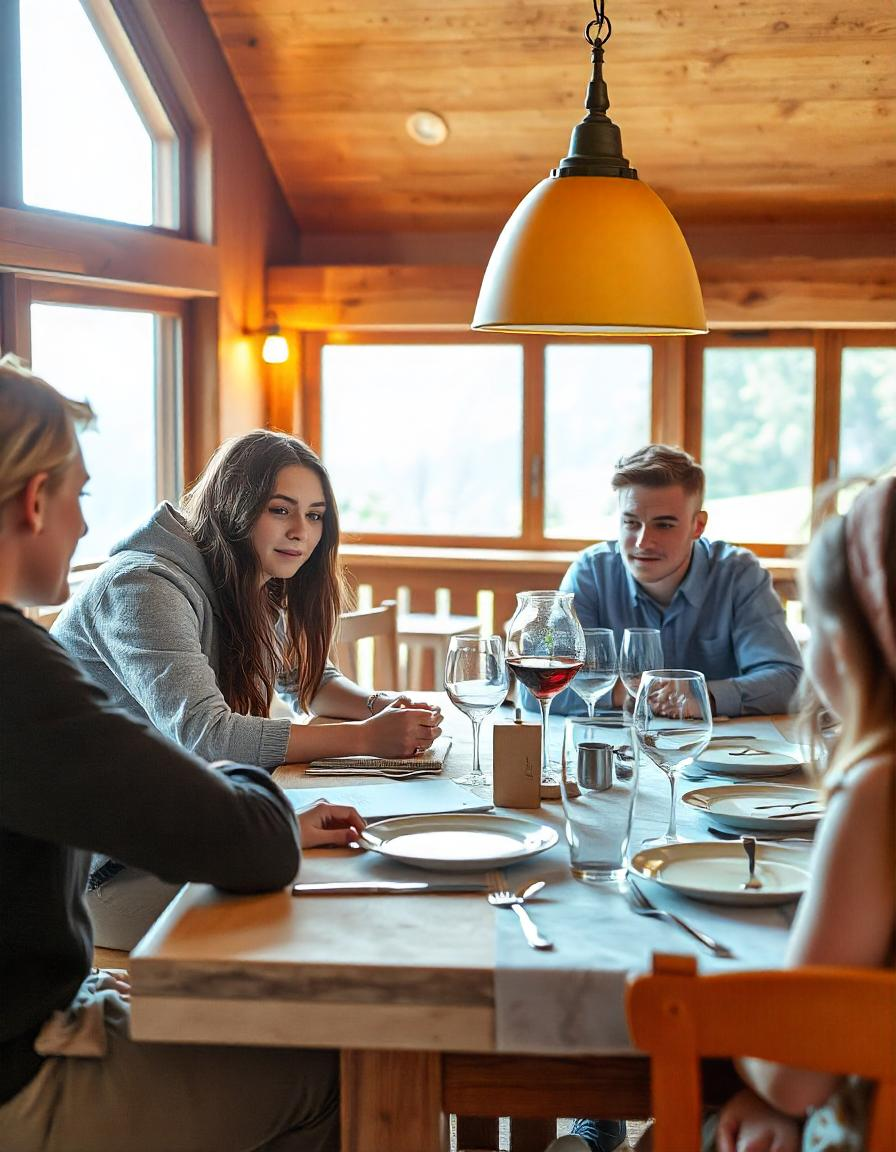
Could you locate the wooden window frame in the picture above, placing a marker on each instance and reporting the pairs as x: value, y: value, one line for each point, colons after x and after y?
x: 171, y: 320
x: 130, y: 49
x: 667, y: 422
x: 676, y: 417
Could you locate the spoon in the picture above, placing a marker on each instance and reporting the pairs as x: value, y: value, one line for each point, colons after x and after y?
x: 752, y: 883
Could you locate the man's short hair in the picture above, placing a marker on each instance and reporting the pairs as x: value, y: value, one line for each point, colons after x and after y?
x: 660, y: 466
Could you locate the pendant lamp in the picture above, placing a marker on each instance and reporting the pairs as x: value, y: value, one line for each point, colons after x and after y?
x: 592, y: 250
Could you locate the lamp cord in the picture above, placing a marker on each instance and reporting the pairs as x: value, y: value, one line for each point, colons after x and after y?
x: 594, y: 29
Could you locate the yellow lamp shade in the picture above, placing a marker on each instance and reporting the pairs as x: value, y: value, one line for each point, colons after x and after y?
x: 591, y: 254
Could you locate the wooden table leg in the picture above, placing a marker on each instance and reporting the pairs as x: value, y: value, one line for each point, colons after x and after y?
x: 477, y: 1133
x: 392, y: 1102
x: 531, y: 1134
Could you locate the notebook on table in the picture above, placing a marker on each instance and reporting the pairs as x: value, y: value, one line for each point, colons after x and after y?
x: 431, y: 761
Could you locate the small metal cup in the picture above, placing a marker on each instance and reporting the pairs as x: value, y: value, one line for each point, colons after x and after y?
x: 594, y: 768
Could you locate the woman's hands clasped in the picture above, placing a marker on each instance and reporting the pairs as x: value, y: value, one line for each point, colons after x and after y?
x: 403, y: 728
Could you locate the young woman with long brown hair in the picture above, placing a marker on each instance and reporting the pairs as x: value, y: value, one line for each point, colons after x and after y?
x: 78, y: 775
x: 205, y: 612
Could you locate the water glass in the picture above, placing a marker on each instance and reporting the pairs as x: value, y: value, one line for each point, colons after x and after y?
x: 476, y: 683
x: 598, y: 674
x: 598, y: 793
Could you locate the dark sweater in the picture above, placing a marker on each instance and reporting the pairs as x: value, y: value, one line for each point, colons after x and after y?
x: 78, y: 776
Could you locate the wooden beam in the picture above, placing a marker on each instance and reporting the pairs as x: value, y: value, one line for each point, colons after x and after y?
x: 66, y: 247
x: 739, y: 292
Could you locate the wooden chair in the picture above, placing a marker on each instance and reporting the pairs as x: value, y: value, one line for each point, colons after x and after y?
x: 380, y: 623
x: 840, y: 1020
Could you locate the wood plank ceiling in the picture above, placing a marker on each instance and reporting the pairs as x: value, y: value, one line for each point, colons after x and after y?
x: 732, y: 110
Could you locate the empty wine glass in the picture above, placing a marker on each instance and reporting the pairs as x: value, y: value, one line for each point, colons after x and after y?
x: 641, y: 651
x: 598, y: 674
x: 476, y: 683
x: 545, y: 649
x: 672, y: 725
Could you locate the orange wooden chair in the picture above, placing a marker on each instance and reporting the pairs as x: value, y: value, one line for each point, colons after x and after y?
x: 840, y: 1020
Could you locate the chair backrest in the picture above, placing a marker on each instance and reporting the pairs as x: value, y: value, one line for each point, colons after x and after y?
x: 380, y: 623
x: 840, y: 1020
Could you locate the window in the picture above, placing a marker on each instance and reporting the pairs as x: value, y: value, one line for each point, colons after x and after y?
x: 867, y: 411
x: 757, y: 442
x: 123, y: 361
x: 424, y: 439
x: 597, y: 406
x: 96, y: 139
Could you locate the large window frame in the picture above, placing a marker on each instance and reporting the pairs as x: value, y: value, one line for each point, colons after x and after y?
x: 666, y: 422
x: 676, y: 412
x: 131, y: 51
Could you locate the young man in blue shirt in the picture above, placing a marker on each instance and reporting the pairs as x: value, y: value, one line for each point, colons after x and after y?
x: 713, y: 603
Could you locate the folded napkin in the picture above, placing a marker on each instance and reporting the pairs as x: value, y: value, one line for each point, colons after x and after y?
x: 432, y: 760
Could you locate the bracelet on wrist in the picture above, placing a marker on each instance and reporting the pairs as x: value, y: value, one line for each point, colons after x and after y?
x: 372, y: 699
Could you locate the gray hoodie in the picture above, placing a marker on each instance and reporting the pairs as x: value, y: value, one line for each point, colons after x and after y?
x: 147, y: 629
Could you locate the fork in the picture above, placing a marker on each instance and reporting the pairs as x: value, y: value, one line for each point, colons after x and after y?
x: 501, y: 897
x: 639, y: 904
x: 752, y: 883
x: 799, y: 804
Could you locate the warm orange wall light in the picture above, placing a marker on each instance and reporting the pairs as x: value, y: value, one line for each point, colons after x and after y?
x: 592, y: 249
x: 275, y: 349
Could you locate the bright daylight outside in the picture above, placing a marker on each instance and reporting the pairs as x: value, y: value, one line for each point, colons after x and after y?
x: 108, y: 358
x: 758, y: 418
x: 596, y: 409
x: 84, y: 146
x: 867, y: 411
x: 424, y: 438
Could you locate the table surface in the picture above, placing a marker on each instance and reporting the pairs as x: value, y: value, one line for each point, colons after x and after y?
x: 415, y: 972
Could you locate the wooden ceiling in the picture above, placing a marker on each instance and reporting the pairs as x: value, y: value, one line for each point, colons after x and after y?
x: 731, y: 110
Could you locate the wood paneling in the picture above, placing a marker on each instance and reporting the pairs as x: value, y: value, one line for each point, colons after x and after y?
x: 739, y: 291
x: 747, y: 109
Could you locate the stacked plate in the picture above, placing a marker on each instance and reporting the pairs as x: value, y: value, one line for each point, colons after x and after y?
x: 771, y: 808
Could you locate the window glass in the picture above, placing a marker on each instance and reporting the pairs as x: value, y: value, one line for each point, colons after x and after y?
x: 108, y: 358
x: 867, y: 411
x: 426, y: 439
x: 85, y: 148
x: 758, y: 416
x: 597, y: 408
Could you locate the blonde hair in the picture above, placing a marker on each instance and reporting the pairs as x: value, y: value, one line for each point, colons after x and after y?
x: 37, y: 428
x: 660, y: 466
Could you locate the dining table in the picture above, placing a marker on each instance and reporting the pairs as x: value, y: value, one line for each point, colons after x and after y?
x: 434, y: 1001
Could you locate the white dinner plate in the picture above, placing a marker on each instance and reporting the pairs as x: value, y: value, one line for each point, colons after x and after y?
x: 751, y: 758
x: 752, y: 807
x: 458, y: 842
x: 715, y: 872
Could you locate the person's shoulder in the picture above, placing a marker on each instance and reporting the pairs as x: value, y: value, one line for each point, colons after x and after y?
x: 601, y: 555
x: 731, y: 559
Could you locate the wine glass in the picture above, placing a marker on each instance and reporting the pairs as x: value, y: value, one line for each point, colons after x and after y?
x: 672, y: 724
x: 476, y: 683
x: 641, y: 651
x: 598, y: 674
x: 545, y: 650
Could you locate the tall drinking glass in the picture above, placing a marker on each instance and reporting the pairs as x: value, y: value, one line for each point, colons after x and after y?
x: 476, y: 683
x: 672, y: 724
x: 598, y: 674
x: 545, y: 650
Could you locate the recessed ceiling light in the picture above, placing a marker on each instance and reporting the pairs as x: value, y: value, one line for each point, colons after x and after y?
x: 427, y: 128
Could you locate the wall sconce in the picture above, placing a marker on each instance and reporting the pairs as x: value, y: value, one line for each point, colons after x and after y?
x: 275, y: 349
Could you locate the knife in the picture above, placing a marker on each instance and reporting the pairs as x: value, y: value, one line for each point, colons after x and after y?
x: 384, y: 887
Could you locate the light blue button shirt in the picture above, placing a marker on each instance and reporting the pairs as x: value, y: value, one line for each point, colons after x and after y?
x: 724, y: 620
